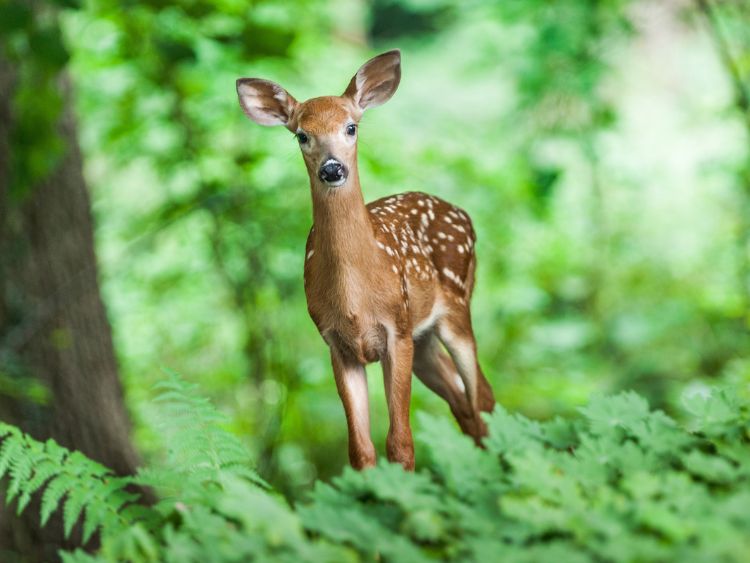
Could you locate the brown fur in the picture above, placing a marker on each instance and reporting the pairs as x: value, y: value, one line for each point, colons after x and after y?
x: 390, y: 281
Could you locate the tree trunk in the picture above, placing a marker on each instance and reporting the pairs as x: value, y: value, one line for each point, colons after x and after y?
x: 53, y: 326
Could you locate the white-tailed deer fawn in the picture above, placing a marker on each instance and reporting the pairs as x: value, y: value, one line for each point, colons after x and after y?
x: 388, y: 281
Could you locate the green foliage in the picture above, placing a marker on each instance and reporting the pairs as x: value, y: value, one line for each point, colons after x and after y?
x: 69, y: 481
x: 201, y: 457
x: 619, y: 483
x: 31, y: 39
x: 199, y: 451
x: 605, y: 191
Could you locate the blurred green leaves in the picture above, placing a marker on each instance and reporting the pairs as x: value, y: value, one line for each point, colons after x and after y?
x: 600, y: 184
x: 15, y: 16
x: 47, y: 49
x: 31, y: 40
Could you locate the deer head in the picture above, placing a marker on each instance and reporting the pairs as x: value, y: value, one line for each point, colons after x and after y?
x: 325, y: 127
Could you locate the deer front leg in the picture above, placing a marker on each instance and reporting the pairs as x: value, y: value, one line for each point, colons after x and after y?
x: 351, y: 382
x: 397, y: 366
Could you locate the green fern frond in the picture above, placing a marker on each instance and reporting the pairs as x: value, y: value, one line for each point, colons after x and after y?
x: 621, y: 483
x: 199, y: 449
x: 78, y: 556
x: 20, y: 470
x: 68, y: 479
x: 11, y: 448
x: 54, y: 491
x: 78, y: 497
x: 42, y: 473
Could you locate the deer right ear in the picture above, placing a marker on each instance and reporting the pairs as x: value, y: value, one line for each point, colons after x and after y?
x: 265, y: 102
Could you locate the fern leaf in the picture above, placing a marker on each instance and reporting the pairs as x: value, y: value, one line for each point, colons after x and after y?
x: 10, y: 450
x: 93, y: 516
x: 42, y: 474
x: 78, y: 556
x: 55, y: 452
x: 78, y: 497
x: 199, y: 450
x: 20, y: 470
x: 55, y: 490
x: 8, y: 430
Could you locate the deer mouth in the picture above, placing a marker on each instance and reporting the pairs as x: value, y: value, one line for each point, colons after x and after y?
x: 335, y: 184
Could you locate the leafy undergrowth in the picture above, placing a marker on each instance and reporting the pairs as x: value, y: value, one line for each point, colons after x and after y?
x: 620, y: 483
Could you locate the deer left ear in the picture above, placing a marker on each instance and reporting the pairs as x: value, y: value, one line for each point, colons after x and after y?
x: 265, y: 102
x: 376, y: 81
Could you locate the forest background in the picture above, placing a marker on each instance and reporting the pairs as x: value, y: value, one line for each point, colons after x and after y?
x: 602, y: 149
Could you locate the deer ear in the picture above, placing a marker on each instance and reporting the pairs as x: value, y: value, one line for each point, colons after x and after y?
x: 376, y: 81
x: 265, y: 102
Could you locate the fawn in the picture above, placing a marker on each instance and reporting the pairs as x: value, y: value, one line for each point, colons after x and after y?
x: 388, y: 281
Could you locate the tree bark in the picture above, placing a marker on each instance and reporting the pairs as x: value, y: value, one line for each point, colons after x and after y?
x: 53, y: 325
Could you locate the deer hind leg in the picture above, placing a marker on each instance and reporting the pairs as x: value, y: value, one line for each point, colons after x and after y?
x: 351, y: 382
x: 454, y: 331
x: 438, y: 372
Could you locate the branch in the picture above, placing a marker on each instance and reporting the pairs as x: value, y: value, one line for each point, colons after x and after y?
x: 722, y: 44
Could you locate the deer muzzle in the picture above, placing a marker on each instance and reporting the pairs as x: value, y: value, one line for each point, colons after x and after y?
x: 333, y: 173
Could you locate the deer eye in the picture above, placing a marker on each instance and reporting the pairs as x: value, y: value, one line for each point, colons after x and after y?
x: 302, y: 138
x: 351, y: 129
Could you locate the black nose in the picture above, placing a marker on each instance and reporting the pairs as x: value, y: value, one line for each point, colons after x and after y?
x: 332, y: 171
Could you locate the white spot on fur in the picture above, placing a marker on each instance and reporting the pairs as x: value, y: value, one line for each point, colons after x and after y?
x: 451, y: 275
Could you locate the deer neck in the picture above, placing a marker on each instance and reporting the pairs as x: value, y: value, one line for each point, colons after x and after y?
x: 343, y: 231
